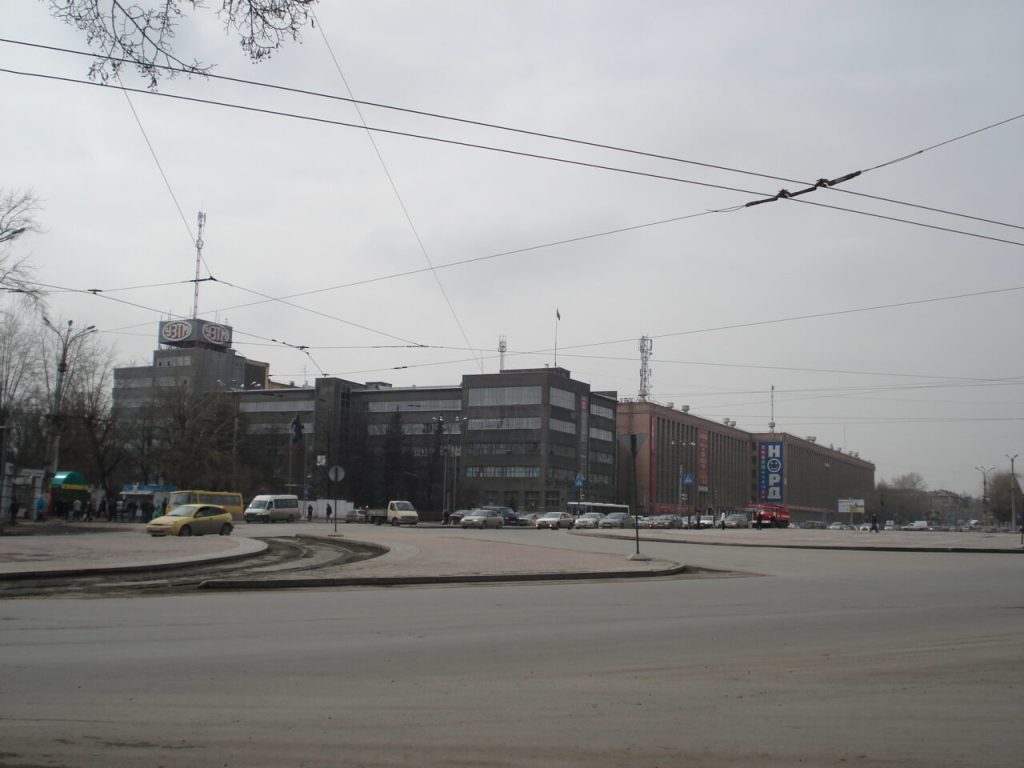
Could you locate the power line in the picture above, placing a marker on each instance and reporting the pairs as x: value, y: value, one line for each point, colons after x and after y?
x: 517, y: 153
x: 394, y: 189
x: 569, y: 140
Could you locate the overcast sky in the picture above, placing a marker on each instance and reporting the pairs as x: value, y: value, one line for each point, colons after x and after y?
x: 797, y: 90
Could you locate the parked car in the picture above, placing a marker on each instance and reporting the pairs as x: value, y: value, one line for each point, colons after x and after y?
x: 554, y: 520
x: 617, y: 520
x: 704, y: 521
x: 482, y: 518
x: 917, y: 525
x: 528, y: 518
x: 666, y: 521
x: 192, y: 520
x: 508, y: 515
x: 454, y: 518
x: 354, y: 515
x: 588, y: 520
x: 813, y: 525
x: 736, y: 521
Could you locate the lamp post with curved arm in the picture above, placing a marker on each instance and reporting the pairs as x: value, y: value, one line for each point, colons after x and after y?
x: 67, y: 338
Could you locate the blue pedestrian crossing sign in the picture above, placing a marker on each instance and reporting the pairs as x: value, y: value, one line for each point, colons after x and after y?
x: 580, y: 481
x: 687, y: 479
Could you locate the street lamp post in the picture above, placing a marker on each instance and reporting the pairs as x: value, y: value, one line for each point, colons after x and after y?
x: 1013, y: 497
x: 984, y: 489
x: 67, y: 337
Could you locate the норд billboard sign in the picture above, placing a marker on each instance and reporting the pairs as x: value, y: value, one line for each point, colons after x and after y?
x: 770, y: 476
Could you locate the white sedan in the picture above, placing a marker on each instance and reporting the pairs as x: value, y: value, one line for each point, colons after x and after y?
x: 554, y: 520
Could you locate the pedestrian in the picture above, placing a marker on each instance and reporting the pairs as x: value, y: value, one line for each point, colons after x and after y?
x: 329, y: 513
x: 39, y: 511
x: 874, y: 523
x: 309, y: 513
x: 76, y: 509
x: 13, y: 510
x: 759, y: 519
x: 103, y: 511
x: 119, y: 510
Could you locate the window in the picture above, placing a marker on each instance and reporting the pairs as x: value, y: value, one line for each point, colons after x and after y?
x: 422, y: 406
x: 276, y: 406
x: 601, y: 458
x: 502, y: 449
x: 552, y: 500
x: 504, y: 396
x: 563, y: 399
x: 601, y: 434
x: 557, y: 475
x: 565, y: 451
x: 600, y: 410
x: 531, y: 499
x: 562, y: 426
x: 528, y: 472
x: 527, y: 422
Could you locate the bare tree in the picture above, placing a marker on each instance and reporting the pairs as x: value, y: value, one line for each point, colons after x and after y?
x: 94, y: 436
x: 19, y: 359
x: 17, y: 218
x: 141, y: 32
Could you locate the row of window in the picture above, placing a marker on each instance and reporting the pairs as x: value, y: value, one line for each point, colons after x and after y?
x: 527, y: 472
x: 276, y: 406
x: 418, y: 406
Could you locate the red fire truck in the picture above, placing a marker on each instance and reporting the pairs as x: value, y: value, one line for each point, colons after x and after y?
x: 769, y: 515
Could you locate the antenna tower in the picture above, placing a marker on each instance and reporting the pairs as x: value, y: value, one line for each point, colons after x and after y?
x: 645, y: 367
x: 771, y: 424
x: 502, y: 348
x: 199, y: 258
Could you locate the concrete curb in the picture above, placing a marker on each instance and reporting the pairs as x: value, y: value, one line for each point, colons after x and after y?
x: 393, y: 581
x: 830, y: 547
x: 107, y: 570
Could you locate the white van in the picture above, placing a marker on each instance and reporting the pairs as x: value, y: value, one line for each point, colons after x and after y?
x: 272, y: 508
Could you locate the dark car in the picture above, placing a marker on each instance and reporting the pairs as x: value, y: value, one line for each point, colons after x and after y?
x: 508, y: 515
x: 665, y: 521
x: 454, y: 518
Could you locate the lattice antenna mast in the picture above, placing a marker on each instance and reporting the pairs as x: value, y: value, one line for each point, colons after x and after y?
x: 199, y: 259
x: 645, y: 367
x: 502, y: 348
x: 771, y: 424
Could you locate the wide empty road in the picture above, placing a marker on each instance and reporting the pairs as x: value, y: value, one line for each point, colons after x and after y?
x: 824, y: 658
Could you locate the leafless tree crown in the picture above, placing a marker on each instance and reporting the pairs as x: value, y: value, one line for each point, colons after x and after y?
x: 141, y: 32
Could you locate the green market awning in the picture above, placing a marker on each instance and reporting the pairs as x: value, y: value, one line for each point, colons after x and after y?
x: 69, y: 481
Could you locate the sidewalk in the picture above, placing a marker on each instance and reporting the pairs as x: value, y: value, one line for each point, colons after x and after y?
x: 111, y: 547
x: 429, y: 554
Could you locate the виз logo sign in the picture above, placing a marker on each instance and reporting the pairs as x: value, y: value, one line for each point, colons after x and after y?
x: 217, y: 334
x: 178, y: 330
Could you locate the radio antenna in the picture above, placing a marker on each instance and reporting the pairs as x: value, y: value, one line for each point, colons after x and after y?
x: 199, y: 258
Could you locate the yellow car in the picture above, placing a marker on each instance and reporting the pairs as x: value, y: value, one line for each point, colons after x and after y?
x: 192, y: 520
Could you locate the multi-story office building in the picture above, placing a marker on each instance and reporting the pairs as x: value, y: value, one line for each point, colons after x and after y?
x: 671, y: 459
x: 529, y: 439
x: 807, y: 478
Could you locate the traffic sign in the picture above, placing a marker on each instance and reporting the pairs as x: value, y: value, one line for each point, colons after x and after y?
x: 687, y: 479
x: 336, y: 473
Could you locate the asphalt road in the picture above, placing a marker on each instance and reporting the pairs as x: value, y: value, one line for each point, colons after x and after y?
x: 825, y: 659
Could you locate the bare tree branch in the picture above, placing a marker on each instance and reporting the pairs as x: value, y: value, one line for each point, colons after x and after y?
x: 17, y: 218
x: 142, y: 31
